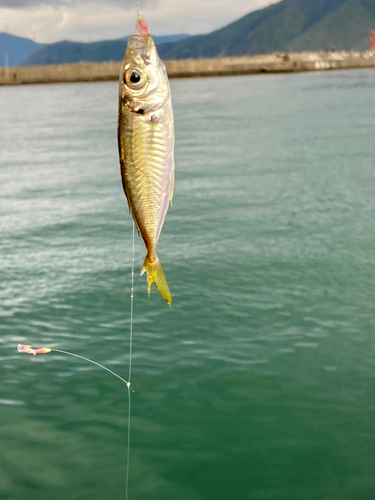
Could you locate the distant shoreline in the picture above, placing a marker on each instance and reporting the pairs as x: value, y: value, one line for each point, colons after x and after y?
x: 272, y: 63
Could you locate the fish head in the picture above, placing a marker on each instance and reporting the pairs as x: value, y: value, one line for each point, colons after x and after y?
x: 144, y: 83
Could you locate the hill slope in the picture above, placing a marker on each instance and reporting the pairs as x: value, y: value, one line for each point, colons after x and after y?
x: 73, y: 52
x: 347, y: 28
x: 17, y: 49
x: 288, y: 25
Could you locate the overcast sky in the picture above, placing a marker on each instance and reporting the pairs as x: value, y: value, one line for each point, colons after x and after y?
x: 49, y: 21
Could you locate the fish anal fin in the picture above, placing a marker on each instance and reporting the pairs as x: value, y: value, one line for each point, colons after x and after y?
x: 171, y: 189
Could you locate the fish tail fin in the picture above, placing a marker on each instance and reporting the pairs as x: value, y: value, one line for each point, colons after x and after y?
x: 155, y: 274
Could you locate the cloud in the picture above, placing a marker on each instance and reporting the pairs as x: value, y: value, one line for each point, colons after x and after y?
x: 20, y: 4
x: 49, y: 21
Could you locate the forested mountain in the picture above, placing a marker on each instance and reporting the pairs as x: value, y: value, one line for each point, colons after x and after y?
x: 290, y: 25
x: 73, y: 52
x: 14, y: 49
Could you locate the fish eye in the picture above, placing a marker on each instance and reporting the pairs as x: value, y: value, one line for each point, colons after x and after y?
x: 134, y: 79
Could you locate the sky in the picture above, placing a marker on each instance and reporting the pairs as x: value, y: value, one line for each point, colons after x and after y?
x: 48, y: 21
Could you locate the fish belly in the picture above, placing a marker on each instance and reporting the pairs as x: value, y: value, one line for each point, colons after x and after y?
x: 147, y: 171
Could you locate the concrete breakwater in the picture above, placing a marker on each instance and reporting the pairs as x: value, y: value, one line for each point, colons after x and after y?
x: 272, y: 63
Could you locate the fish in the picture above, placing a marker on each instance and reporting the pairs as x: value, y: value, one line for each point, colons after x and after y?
x: 146, y: 146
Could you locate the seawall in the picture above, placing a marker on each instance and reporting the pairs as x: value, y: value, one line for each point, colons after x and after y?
x: 272, y: 63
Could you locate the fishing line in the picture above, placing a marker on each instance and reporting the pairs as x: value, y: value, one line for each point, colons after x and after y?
x: 130, y: 367
x: 94, y: 363
x: 45, y: 350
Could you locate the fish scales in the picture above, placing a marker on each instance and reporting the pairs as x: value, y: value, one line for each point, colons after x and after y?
x: 147, y: 181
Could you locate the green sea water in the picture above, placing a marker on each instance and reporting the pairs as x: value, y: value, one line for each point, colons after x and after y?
x: 259, y: 382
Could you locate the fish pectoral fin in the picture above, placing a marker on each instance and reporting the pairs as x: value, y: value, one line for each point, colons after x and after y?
x: 155, y: 274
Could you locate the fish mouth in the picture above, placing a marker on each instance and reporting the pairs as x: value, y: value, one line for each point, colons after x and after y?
x: 141, y: 49
x: 138, y: 42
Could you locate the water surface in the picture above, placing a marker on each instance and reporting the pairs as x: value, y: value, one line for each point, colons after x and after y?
x: 259, y: 382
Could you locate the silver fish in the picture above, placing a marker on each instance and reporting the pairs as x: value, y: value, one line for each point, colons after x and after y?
x: 146, y: 146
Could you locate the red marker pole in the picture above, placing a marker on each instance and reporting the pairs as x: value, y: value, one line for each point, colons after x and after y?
x: 372, y: 41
